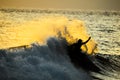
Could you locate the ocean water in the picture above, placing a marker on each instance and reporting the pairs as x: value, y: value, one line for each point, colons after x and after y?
x: 52, y: 60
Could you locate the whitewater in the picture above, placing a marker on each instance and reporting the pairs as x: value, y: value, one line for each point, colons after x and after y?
x: 35, y: 45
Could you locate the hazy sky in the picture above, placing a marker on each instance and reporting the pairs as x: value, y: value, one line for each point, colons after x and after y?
x: 62, y: 4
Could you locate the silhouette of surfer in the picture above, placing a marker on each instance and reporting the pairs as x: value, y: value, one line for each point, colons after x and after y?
x: 79, y: 58
x: 77, y: 46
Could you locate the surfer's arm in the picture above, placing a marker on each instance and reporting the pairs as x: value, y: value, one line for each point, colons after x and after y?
x: 86, y: 41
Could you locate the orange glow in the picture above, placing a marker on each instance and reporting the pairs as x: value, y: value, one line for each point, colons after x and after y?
x: 40, y: 29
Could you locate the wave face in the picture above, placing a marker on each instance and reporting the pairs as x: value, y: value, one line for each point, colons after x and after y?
x: 52, y: 62
x: 109, y: 65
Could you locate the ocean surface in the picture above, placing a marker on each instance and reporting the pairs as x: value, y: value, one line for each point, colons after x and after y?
x: 52, y: 61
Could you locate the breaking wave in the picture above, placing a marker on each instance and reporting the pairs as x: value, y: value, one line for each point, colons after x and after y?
x: 52, y: 62
x: 54, y: 59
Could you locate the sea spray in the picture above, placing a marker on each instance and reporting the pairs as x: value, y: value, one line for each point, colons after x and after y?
x: 40, y: 29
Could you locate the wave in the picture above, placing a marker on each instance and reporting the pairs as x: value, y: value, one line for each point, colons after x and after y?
x: 53, y: 61
x: 56, y: 59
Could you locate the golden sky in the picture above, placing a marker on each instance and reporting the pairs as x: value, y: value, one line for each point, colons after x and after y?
x: 62, y: 4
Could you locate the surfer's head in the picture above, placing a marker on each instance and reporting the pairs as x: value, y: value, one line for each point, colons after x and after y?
x: 79, y: 41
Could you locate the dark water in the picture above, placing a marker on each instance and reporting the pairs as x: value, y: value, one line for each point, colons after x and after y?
x: 52, y: 62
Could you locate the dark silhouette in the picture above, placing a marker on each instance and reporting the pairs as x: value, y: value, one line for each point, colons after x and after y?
x: 78, y: 45
x: 81, y: 59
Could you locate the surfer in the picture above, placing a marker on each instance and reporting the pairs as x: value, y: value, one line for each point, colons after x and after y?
x: 80, y: 43
x: 75, y: 51
x: 77, y: 46
x: 79, y: 58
